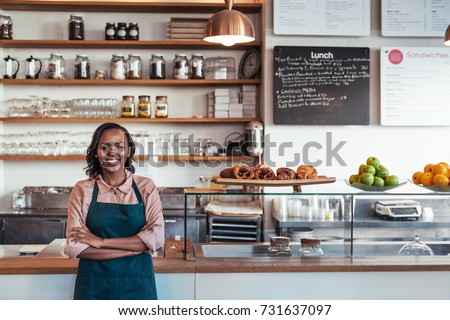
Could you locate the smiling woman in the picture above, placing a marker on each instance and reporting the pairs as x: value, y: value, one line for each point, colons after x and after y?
x: 114, y: 222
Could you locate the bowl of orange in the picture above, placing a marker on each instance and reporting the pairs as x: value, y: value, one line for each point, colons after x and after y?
x: 435, y: 176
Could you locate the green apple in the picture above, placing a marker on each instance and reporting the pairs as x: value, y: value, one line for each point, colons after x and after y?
x: 373, y: 161
x: 369, y: 169
x: 378, y: 182
x: 366, y: 178
x: 391, y: 180
x: 353, y: 178
x: 382, y: 172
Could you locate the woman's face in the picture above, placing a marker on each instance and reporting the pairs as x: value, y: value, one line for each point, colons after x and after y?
x: 112, y: 150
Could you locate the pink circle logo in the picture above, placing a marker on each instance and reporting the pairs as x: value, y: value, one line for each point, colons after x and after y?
x: 395, y: 56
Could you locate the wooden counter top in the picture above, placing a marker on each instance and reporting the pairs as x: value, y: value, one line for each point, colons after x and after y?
x: 242, y: 265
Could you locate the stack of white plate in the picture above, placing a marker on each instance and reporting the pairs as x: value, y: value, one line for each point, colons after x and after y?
x: 295, y: 234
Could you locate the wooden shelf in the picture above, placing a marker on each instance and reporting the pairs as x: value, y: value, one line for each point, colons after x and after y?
x: 143, y: 82
x: 141, y: 44
x: 160, y: 158
x: 125, y: 6
x: 132, y: 120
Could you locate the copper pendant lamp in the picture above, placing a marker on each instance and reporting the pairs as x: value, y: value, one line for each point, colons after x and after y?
x: 229, y: 27
x: 447, y: 36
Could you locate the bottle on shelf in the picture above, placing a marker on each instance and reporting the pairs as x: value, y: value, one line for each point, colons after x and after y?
x: 6, y: 27
x: 127, y: 108
x: 157, y: 67
x: 133, y: 31
x: 161, y: 107
x: 110, y: 31
x: 197, y: 66
x: 82, y: 67
x: 144, y: 107
x: 56, y: 66
x: 180, y: 67
x: 118, y: 67
x: 122, y: 31
x: 134, y: 66
x: 76, y: 27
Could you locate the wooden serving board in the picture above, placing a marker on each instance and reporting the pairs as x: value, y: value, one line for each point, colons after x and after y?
x: 296, y: 184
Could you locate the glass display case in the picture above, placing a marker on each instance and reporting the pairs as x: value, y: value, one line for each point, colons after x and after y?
x: 348, y: 223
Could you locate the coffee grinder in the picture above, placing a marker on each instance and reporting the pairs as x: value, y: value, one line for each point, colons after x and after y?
x: 253, y: 135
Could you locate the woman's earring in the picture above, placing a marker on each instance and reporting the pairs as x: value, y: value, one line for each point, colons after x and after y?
x: 96, y: 156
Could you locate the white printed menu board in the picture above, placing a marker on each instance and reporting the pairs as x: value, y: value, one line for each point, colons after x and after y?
x: 322, y: 17
x: 415, y: 86
x: 414, y: 18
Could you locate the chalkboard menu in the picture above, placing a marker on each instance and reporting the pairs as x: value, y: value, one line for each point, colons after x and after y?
x: 321, y: 85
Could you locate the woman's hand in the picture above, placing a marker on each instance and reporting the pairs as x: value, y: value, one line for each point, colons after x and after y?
x: 84, y: 235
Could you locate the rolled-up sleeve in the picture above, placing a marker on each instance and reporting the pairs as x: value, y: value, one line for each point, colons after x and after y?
x: 153, y: 236
x: 74, y: 216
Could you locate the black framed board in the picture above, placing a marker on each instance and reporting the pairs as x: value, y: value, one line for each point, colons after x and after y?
x: 321, y: 85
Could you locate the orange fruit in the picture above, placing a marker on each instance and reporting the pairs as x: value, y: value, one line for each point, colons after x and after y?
x: 448, y: 168
x: 427, y: 179
x: 439, y: 169
x: 440, y: 180
x: 428, y: 167
x: 416, y: 177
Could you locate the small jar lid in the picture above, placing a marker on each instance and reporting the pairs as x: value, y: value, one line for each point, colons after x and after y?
x: 157, y: 55
x: 128, y: 97
x: 76, y: 16
x: 121, y: 23
x: 181, y: 55
x: 134, y: 55
x: 82, y: 55
x: 197, y: 55
x: 144, y: 97
x: 133, y: 24
x: 56, y: 54
x: 162, y: 98
x: 118, y: 55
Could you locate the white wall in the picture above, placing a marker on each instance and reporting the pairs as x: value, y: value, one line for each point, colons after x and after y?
x: 403, y: 150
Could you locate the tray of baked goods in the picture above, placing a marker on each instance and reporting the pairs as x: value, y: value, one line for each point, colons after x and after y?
x: 264, y: 176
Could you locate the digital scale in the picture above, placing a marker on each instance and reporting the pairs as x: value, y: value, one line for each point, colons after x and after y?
x: 399, y: 209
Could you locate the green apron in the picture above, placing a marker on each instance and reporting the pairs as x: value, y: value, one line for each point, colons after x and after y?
x: 126, y: 278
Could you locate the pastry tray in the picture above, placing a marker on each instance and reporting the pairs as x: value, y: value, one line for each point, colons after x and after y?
x: 248, y: 184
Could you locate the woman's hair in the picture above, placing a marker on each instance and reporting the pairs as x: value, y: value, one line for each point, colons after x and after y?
x: 93, y: 168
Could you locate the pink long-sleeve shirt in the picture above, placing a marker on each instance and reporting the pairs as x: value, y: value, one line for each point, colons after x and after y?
x: 81, y: 196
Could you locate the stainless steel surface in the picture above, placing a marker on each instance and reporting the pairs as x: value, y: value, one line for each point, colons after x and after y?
x: 173, y: 198
x: 330, y: 249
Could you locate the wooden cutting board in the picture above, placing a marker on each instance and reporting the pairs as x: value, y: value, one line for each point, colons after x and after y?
x: 175, y: 249
x: 296, y: 183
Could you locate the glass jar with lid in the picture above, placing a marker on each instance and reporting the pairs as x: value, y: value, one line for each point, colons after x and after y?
x: 56, y: 66
x: 157, y: 67
x: 161, y: 107
x: 197, y: 66
x: 181, y: 67
x: 310, y: 247
x: 76, y: 27
x: 122, y: 31
x: 133, y: 31
x: 110, y: 31
x: 144, y: 107
x: 118, y: 67
x: 127, y: 107
x: 82, y: 67
x: 134, y: 66
x: 6, y: 27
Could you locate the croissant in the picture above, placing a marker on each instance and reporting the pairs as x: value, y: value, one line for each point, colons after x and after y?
x: 286, y: 174
x: 227, y: 173
x: 263, y: 172
x: 243, y: 172
x: 306, y: 172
